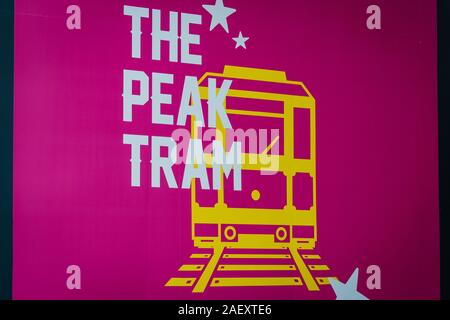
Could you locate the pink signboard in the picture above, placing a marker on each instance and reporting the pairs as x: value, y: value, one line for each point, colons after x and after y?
x: 327, y: 114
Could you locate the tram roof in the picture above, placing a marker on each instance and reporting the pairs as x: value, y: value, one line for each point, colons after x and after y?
x: 259, y: 80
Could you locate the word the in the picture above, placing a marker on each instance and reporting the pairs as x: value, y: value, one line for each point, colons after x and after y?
x: 172, y: 35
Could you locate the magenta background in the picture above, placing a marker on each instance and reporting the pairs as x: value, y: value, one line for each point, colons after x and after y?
x: 376, y: 145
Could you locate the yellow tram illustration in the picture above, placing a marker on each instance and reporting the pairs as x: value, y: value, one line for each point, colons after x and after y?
x: 288, y: 225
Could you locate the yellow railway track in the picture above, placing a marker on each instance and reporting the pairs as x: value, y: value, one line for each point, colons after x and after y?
x: 304, y: 270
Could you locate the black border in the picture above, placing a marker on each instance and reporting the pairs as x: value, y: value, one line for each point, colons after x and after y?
x: 444, y: 142
x: 6, y: 144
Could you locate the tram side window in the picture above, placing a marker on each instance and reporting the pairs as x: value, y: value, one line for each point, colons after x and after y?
x: 302, y: 134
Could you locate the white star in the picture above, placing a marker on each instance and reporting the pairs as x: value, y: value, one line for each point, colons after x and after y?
x: 240, y: 41
x: 219, y: 14
x: 347, y: 291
